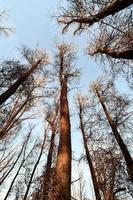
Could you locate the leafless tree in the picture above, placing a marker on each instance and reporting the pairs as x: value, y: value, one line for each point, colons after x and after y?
x: 62, y: 182
x: 36, y: 59
x: 114, y: 117
x: 81, y: 110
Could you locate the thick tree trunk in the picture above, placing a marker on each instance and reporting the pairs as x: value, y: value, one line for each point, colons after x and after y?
x: 62, y: 182
x: 12, y: 89
x: 92, y: 170
x: 127, y: 54
x: 123, y: 147
x: 47, y: 174
x: 109, y: 9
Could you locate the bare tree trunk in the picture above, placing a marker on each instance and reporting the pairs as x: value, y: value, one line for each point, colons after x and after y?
x: 47, y: 174
x: 62, y: 183
x: 12, y: 89
x: 15, y: 162
x: 123, y: 147
x: 34, y: 168
x: 127, y: 54
x: 11, y: 120
x: 92, y: 170
x: 110, y: 9
x: 17, y: 173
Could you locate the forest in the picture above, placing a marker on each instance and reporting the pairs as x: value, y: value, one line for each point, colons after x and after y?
x: 66, y: 80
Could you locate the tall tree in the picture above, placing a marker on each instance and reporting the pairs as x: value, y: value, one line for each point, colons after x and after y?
x: 81, y: 108
x: 62, y: 182
x: 114, y: 127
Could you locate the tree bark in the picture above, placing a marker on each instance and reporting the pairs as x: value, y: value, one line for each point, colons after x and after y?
x: 88, y: 157
x: 12, y: 89
x: 123, y: 147
x: 62, y: 182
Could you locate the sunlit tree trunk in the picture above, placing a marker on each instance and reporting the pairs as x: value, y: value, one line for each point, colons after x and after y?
x: 62, y: 183
x: 123, y: 147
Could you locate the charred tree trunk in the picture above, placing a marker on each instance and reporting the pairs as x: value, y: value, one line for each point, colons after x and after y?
x: 62, y: 182
x: 123, y: 147
x: 88, y: 157
x: 12, y: 89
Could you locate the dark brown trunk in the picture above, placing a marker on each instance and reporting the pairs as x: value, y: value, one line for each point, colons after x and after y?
x: 62, y: 183
x: 125, y: 152
x: 12, y: 89
x: 92, y: 170
x: 109, y: 9
x: 128, y: 54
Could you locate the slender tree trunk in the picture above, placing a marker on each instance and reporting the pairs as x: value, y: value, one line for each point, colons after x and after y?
x: 92, y: 170
x: 62, y: 182
x: 34, y: 169
x: 10, y: 120
x: 17, y: 173
x: 47, y: 174
x: 12, y: 167
x: 12, y: 89
x: 123, y: 147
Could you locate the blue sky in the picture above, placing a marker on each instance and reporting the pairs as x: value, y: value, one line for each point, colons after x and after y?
x: 34, y: 26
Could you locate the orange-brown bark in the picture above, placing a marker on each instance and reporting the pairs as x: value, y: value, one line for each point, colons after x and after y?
x: 62, y: 183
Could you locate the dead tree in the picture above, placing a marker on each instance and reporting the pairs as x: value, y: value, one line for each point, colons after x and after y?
x: 24, y: 158
x: 62, y: 182
x: 35, y: 63
x: 35, y: 166
x: 114, y: 128
x: 114, y: 41
x: 86, y: 13
x: 109, y: 173
x: 88, y: 156
x: 4, y: 177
